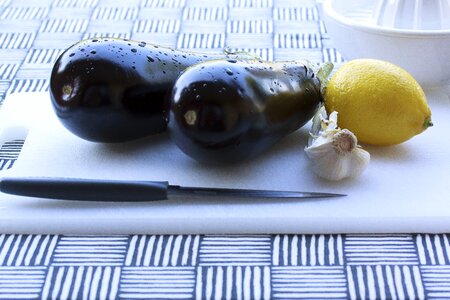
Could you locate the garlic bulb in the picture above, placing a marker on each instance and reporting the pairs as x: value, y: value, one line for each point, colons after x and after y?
x: 334, y: 153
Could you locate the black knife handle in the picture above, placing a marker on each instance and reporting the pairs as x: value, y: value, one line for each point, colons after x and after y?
x: 85, y: 189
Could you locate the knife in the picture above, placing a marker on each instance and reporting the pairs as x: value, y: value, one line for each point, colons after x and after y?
x: 129, y: 191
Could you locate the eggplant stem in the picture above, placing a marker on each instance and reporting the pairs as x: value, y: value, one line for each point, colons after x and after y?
x: 241, y: 54
x: 323, y: 74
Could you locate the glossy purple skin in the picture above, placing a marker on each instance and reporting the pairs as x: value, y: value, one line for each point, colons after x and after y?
x: 115, y: 90
x: 229, y: 111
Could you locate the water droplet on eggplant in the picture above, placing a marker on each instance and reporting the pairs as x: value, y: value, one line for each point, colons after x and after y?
x: 229, y: 72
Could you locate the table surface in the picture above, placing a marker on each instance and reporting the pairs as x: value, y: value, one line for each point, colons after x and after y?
x: 33, y: 33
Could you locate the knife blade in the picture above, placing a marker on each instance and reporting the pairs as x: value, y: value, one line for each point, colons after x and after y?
x: 130, y: 191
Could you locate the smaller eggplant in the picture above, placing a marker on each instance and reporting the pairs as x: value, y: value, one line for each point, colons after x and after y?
x: 228, y: 111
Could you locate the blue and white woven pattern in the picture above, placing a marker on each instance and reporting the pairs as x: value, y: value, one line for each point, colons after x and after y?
x: 225, y: 267
x: 34, y: 32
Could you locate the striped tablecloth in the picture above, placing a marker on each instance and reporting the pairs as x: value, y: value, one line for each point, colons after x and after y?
x: 34, y: 32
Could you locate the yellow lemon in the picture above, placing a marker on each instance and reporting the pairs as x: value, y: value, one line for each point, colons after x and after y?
x: 379, y: 102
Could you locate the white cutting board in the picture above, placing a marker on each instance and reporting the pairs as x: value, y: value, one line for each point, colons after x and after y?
x: 406, y: 188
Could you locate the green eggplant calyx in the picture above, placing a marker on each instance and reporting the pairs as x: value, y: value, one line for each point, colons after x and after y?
x: 241, y: 54
x: 323, y: 73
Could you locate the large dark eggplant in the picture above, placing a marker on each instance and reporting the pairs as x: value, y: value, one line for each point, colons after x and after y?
x: 231, y: 110
x: 114, y: 90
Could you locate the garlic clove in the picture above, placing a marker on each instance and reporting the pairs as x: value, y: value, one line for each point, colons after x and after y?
x: 334, y: 153
x: 358, y: 163
x: 332, y: 120
x: 323, y: 161
x: 317, y: 124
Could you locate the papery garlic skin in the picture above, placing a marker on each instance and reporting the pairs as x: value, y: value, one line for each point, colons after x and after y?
x: 334, y: 153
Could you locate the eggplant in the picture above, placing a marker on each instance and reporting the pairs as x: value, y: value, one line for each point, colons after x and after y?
x: 116, y: 90
x: 228, y: 111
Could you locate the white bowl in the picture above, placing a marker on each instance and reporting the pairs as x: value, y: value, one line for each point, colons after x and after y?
x: 354, y: 30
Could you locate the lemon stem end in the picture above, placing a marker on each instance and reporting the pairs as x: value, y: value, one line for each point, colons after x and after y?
x: 427, y: 123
